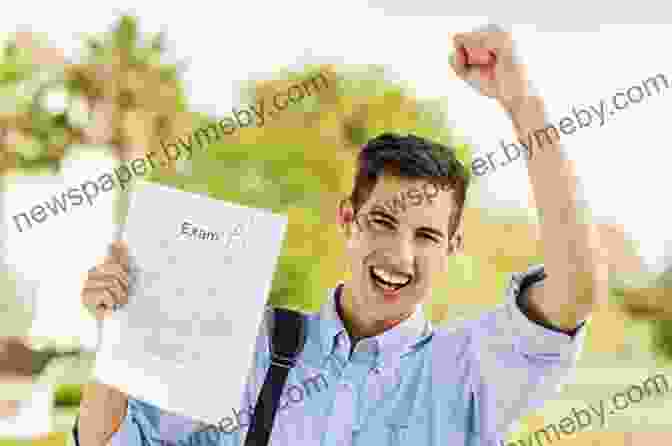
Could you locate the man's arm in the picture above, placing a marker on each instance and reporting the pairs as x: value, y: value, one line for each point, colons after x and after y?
x: 575, y: 274
x: 101, y: 413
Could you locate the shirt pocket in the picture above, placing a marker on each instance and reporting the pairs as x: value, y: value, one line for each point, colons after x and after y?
x: 382, y: 434
x: 393, y: 433
x: 415, y: 430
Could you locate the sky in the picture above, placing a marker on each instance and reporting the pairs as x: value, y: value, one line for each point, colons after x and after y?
x: 574, y: 61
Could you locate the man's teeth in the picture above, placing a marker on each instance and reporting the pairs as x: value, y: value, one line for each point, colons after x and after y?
x: 394, y: 279
x: 388, y: 287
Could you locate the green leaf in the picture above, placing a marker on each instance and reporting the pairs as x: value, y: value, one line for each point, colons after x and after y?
x: 158, y: 42
x: 126, y: 33
x: 68, y: 395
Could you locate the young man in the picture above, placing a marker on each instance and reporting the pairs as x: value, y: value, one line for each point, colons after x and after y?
x: 387, y: 376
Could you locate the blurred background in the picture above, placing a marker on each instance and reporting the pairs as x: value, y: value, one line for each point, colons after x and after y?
x: 79, y: 98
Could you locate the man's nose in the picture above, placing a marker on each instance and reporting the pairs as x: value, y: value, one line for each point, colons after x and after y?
x: 404, y: 251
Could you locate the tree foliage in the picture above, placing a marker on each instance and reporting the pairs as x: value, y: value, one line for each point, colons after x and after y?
x: 121, y: 93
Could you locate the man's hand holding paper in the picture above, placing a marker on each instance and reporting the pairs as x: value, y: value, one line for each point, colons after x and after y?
x: 106, y: 286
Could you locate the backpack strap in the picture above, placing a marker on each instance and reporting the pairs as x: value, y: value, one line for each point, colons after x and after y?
x: 75, y: 431
x: 287, y: 336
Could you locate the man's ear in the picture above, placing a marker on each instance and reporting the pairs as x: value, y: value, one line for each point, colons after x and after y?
x: 345, y: 216
x: 457, y: 242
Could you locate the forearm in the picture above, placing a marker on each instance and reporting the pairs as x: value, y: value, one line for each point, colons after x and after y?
x: 568, y: 236
x: 102, y: 412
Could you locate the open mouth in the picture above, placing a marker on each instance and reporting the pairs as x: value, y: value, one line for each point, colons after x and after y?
x: 388, y: 282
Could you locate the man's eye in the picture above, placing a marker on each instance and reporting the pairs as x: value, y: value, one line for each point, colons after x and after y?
x: 382, y: 224
x: 431, y: 238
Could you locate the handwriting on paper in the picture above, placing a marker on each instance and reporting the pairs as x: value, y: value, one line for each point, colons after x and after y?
x: 233, y: 236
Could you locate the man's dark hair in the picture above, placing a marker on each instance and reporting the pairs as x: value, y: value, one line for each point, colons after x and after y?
x: 410, y: 157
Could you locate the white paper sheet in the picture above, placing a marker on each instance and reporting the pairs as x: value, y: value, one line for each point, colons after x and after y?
x: 201, y: 272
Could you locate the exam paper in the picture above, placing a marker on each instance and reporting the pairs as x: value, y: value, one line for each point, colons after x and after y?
x: 200, y: 274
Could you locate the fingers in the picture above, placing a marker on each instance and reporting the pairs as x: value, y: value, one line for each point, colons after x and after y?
x: 118, y: 251
x: 472, y: 56
x: 109, y: 275
x: 110, y: 285
x: 479, y: 53
x: 496, y: 37
x: 110, y: 271
x: 103, y: 310
x: 491, y: 37
x: 475, y: 54
x: 100, y: 302
x: 106, y: 285
x: 105, y: 289
x: 472, y: 42
x: 459, y: 62
x: 484, y: 44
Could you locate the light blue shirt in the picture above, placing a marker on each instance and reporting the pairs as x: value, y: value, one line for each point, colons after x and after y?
x: 412, y: 385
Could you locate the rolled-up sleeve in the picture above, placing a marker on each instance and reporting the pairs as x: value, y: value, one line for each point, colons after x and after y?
x: 140, y: 427
x: 534, y: 338
x: 521, y: 364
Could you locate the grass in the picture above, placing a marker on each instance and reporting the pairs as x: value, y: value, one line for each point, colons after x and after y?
x: 54, y: 439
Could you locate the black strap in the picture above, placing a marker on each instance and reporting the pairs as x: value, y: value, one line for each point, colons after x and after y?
x: 286, y: 340
x: 75, y: 431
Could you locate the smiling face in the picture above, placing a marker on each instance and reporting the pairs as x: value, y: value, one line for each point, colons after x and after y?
x: 398, y: 246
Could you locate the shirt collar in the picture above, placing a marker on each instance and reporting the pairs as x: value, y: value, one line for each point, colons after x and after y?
x: 391, y: 344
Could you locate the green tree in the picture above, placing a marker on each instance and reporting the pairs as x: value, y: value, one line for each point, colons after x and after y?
x: 121, y: 93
